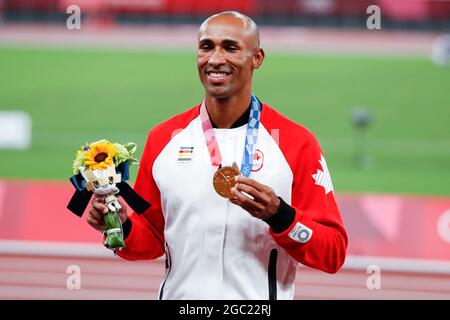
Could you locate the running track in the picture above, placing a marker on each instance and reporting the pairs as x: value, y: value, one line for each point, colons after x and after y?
x: 25, y: 276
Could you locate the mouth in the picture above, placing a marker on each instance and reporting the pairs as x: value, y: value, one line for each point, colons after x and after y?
x: 217, y: 77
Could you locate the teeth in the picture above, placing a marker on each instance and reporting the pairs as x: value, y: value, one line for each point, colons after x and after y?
x: 217, y: 75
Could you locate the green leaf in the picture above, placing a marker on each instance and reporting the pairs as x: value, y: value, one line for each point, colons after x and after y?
x: 131, y: 147
x: 132, y: 161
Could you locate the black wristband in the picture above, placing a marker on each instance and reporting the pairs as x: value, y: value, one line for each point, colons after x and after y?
x: 126, y: 227
x: 283, y: 218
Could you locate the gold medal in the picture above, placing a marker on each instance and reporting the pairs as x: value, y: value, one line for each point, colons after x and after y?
x: 224, y: 180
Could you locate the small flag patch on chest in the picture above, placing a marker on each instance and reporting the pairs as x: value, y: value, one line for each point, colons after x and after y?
x: 185, y: 154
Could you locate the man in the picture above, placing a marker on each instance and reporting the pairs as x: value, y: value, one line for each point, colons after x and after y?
x: 280, y: 212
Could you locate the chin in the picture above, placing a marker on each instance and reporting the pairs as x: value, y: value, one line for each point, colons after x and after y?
x: 218, y: 92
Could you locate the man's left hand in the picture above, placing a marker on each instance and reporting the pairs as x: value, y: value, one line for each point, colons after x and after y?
x: 265, y: 202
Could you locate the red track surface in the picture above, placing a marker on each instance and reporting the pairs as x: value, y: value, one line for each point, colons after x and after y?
x: 44, y: 277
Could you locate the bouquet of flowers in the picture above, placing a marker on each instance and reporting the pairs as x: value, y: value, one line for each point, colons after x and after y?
x: 101, y: 154
x: 102, y: 167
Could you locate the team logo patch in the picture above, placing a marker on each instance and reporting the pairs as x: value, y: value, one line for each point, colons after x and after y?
x: 258, y: 160
x: 185, y: 154
x: 300, y: 233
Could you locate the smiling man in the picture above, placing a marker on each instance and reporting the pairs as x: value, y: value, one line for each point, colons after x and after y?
x: 228, y: 52
x: 240, y: 194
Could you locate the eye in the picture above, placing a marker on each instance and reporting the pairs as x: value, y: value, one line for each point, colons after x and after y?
x: 96, y: 184
x: 231, y: 48
x: 111, y: 180
x: 205, y: 47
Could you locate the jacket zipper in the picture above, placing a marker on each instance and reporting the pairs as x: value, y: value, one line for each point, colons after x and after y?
x: 272, y: 273
x: 168, y: 266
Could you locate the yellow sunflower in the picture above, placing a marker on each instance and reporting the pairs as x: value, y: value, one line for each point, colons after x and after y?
x: 100, y: 155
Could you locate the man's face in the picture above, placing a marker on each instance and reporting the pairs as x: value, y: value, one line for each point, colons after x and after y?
x: 227, y: 55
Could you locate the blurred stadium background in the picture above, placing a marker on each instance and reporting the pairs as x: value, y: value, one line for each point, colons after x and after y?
x: 132, y: 65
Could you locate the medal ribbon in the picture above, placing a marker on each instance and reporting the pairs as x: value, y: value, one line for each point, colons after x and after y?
x: 250, y: 137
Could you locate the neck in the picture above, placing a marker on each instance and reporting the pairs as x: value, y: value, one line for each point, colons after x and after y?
x: 224, y: 112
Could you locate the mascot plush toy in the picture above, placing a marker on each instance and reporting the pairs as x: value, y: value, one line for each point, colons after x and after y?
x: 102, y: 168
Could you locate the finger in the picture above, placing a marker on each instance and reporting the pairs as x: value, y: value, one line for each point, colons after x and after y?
x: 97, y: 224
x: 123, y: 213
x: 98, y: 198
x: 245, y: 202
x: 93, y: 220
x: 100, y: 207
x: 121, y: 202
x: 250, y: 182
x: 251, y: 210
x: 257, y: 195
x: 95, y: 213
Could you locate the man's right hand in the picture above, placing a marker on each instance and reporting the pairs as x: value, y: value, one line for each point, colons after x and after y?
x: 99, y: 208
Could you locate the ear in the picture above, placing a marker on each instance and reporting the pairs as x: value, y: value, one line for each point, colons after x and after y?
x: 258, y: 58
x: 89, y: 176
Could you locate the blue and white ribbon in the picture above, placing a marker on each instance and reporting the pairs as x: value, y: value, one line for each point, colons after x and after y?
x: 251, y: 137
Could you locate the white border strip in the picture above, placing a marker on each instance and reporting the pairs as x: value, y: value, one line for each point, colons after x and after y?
x: 42, y: 248
x: 71, y: 249
x: 398, y: 264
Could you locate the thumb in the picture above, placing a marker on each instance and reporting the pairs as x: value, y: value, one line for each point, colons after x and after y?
x: 123, y: 212
x: 121, y: 201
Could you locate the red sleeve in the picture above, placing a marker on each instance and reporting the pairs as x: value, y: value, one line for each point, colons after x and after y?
x: 317, y: 237
x: 146, y: 238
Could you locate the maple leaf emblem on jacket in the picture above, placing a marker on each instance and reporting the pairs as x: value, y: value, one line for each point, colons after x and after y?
x: 322, y: 177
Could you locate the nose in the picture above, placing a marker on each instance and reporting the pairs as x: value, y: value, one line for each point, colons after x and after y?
x: 217, y: 58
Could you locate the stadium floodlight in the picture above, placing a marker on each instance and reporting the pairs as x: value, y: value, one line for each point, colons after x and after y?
x: 361, y: 120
